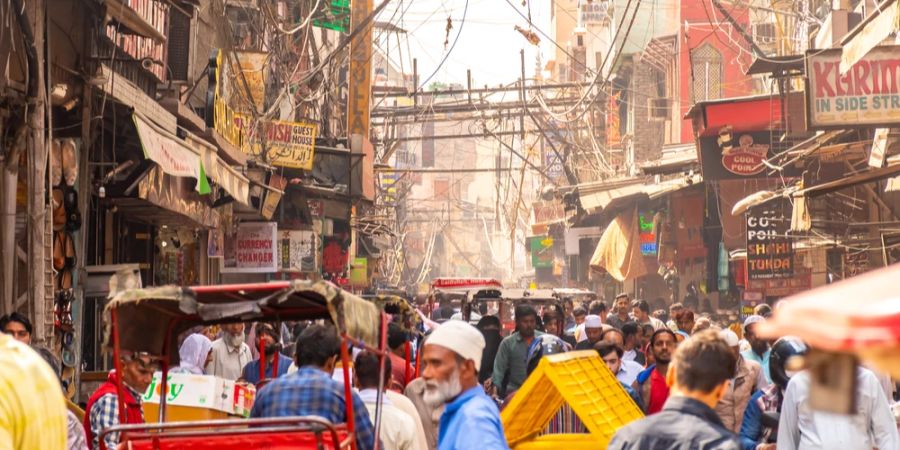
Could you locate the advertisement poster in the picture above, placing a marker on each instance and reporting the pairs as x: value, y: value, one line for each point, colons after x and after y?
x: 297, y: 251
x: 866, y: 95
x: 335, y: 255
x: 254, y: 249
x: 541, y: 252
x: 769, y: 253
x: 359, y: 273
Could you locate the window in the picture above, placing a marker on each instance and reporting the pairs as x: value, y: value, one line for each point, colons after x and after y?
x: 707, y: 73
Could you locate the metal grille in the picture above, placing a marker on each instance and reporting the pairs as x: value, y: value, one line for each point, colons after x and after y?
x: 707, y: 68
x: 179, y: 42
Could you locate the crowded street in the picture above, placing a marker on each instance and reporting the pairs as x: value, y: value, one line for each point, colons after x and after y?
x: 449, y: 224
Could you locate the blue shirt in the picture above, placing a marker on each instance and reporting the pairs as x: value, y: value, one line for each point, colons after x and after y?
x: 471, y: 421
x: 251, y: 369
x: 750, y: 355
x: 752, y: 427
x: 312, y: 392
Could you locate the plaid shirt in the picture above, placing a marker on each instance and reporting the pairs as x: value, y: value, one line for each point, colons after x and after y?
x: 105, y: 414
x: 312, y: 392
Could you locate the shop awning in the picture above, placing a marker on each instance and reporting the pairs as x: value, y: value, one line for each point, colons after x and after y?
x: 860, y: 315
x: 595, y: 198
x: 166, y: 200
x: 191, y: 158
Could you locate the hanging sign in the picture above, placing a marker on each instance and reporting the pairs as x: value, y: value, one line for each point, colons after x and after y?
x: 287, y: 144
x: 769, y: 253
x: 649, y: 246
x: 541, y: 252
x: 867, y: 94
x: 734, y: 155
x: 254, y: 249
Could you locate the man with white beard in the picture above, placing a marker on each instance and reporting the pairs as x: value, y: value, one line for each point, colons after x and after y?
x: 229, y: 353
x: 471, y: 420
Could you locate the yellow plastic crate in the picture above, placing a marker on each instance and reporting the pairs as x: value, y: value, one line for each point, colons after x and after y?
x: 580, y: 379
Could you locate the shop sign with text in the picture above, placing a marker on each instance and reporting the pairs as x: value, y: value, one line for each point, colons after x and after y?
x: 734, y: 155
x: 769, y: 253
x: 254, y: 250
x: 867, y: 94
x: 287, y: 144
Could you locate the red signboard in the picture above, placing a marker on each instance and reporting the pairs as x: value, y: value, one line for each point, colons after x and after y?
x: 462, y: 283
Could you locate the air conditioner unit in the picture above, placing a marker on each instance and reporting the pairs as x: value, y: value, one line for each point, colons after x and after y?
x: 659, y: 108
x: 764, y: 33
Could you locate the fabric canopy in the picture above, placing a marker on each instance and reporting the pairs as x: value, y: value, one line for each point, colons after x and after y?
x: 619, y: 249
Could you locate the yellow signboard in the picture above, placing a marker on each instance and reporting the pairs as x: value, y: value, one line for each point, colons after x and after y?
x: 286, y: 144
x: 249, y: 67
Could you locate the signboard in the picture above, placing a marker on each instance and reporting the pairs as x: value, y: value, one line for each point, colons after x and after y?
x: 867, y: 94
x: 360, y: 75
x: 254, y: 249
x: 287, y: 144
x: 734, y: 155
x: 334, y: 255
x: 359, y: 272
x: 297, y: 251
x: 541, y: 252
x: 249, y: 67
x: 749, y: 301
x: 547, y: 212
x: 856, y: 264
x: 553, y: 166
x: 335, y: 16
x: 273, y: 196
x: 461, y: 283
x: 613, y: 123
x: 769, y: 253
x: 879, y: 147
x: 649, y: 245
x: 594, y: 13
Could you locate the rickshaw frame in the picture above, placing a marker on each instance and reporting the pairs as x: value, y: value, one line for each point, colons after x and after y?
x: 261, y: 302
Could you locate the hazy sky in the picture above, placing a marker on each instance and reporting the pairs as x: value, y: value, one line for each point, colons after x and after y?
x: 488, y: 45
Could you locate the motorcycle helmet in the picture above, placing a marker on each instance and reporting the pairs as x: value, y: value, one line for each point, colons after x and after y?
x: 546, y: 344
x: 783, y: 350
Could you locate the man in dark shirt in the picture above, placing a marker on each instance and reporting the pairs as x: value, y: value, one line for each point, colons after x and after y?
x: 620, y: 315
x: 700, y: 375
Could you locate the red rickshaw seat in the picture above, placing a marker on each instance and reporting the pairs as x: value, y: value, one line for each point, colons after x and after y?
x: 215, y: 440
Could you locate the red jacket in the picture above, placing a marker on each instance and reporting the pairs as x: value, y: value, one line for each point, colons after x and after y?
x: 133, y: 412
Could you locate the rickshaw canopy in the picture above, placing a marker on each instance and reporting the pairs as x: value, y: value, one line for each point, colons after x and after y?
x: 860, y: 315
x: 151, y: 319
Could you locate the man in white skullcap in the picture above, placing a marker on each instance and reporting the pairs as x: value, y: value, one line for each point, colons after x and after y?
x: 593, y: 329
x: 471, y: 420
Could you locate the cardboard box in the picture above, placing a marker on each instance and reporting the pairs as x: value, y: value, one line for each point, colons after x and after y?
x: 198, y: 391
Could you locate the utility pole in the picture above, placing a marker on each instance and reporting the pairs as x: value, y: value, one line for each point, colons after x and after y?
x: 515, y: 216
x: 37, y: 177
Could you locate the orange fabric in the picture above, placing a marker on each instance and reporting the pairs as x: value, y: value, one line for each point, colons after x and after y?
x: 619, y: 249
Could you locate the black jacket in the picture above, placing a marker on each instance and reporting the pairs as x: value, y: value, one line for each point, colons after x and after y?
x: 683, y: 424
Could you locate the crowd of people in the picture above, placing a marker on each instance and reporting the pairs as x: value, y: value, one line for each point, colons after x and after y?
x: 701, y: 384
